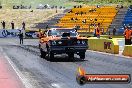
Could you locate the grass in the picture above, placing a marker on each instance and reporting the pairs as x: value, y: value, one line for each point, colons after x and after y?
x: 105, y: 2
x: 30, y: 18
x: 35, y: 3
x: 8, y: 15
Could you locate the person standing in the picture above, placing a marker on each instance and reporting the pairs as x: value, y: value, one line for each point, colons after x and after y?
x: 114, y: 31
x: 12, y: 25
x: 3, y: 24
x: 97, y: 30
x: 102, y: 31
x: 56, y: 9
x: 131, y: 37
x: 47, y: 26
x: 23, y: 25
x: 127, y: 35
x: 21, y: 37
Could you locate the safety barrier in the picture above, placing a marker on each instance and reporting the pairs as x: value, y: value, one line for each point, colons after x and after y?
x: 10, y: 33
x: 104, y: 45
x: 13, y: 33
x: 31, y: 34
x: 127, y: 50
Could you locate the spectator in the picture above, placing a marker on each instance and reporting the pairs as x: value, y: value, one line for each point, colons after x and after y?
x: 95, y: 19
x: 97, y: 30
x: 80, y: 6
x: 47, y: 26
x: 76, y: 18
x: 72, y: 19
x: 127, y: 35
x: 114, y: 31
x: 14, y: 7
x: 109, y: 34
x: 23, y: 25
x: 76, y: 13
x: 71, y: 11
x: 3, y: 24
x: 81, y: 13
x: 102, y: 31
x: 94, y: 33
x: 56, y: 9
x: 121, y: 6
x: 21, y: 37
x: 98, y: 6
x: 17, y: 7
x: 131, y: 36
x: 117, y: 6
x: 0, y: 6
x: 60, y: 7
x: 57, y: 22
x: 84, y: 21
x: 31, y: 11
x: 74, y: 6
x: 12, y: 25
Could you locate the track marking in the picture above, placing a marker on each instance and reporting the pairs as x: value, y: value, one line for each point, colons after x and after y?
x: 55, y: 85
x: 25, y: 81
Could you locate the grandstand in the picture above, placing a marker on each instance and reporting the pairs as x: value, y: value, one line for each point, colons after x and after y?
x: 88, y: 16
x: 127, y: 20
x: 128, y: 17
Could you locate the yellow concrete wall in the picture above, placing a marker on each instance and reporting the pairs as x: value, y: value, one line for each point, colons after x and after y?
x: 127, y: 50
x: 98, y: 45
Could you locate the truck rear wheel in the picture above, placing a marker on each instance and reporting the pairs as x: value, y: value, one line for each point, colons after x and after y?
x: 71, y: 56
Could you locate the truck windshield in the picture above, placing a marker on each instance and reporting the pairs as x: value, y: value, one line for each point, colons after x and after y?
x: 60, y: 32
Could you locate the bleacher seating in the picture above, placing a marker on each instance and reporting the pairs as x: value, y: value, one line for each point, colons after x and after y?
x: 87, y: 16
x: 128, y: 17
x: 127, y: 20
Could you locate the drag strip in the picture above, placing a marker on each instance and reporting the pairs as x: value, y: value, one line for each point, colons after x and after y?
x: 61, y: 72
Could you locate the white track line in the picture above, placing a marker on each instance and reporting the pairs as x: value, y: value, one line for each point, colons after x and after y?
x: 24, y: 80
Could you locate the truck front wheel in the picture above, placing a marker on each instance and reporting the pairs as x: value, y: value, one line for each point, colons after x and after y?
x: 50, y: 55
x: 82, y: 55
x: 42, y: 53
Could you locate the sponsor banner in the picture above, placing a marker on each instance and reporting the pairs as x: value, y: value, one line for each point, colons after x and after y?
x: 104, y: 78
x: 12, y: 33
x: 9, y: 33
x: 83, y: 78
x: 31, y: 34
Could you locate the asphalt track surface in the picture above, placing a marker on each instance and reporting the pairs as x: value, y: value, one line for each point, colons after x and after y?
x: 61, y: 73
x: 8, y: 76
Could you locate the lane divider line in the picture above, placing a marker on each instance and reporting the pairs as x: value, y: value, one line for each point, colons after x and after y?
x: 24, y: 80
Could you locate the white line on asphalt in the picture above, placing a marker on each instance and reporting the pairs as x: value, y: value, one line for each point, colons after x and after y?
x: 55, y: 85
x: 25, y: 81
x: 120, y: 40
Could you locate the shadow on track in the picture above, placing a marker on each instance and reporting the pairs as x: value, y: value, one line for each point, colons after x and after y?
x: 64, y: 58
